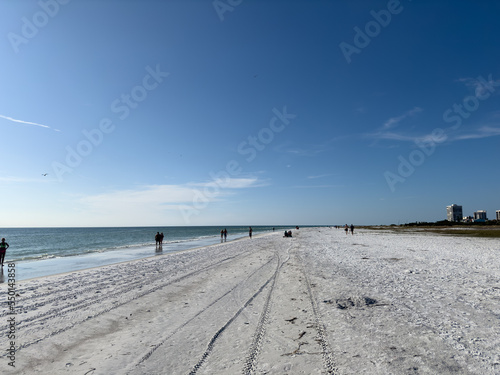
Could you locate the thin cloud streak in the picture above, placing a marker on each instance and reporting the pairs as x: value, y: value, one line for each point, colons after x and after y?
x: 483, y: 132
x: 319, y: 176
x: 27, y: 122
x: 478, y: 87
x: 394, y: 121
x: 165, y: 196
x: 316, y: 186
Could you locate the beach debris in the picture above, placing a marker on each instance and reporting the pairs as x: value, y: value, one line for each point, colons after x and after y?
x: 354, y: 302
x: 412, y: 271
x: 291, y: 320
x: 296, y: 351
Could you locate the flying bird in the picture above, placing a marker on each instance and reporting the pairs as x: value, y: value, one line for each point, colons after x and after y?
x: 44, y: 174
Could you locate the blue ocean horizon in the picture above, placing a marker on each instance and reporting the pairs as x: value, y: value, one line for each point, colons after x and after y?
x: 41, y: 252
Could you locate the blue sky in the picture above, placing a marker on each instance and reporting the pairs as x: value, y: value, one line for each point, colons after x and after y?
x: 247, y: 112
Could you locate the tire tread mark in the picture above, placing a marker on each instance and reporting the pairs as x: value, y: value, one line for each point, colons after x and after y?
x: 116, y: 305
x: 320, y: 327
x: 211, y: 344
x: 250, y: 363
x: 150, y: 352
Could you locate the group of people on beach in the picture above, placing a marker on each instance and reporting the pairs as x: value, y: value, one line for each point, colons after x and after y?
x: 223, y: 235
x: 159, y: 239
x: 346, y: 228
x: 3, y: 249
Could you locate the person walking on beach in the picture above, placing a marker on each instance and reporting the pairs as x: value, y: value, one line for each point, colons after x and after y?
x: 225, y: 234
x: 346, y: 228
x: 161, y: 239
x: 157, y: 238
x: 352, y: 229
x: 250, y: 232
x: 3, y: 249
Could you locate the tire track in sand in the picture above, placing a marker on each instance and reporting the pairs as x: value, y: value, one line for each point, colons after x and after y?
x: 53, y: 314
x: 249, y: 363
x: 255, y: 347
x: 151, y: 351
x: 320, y: 326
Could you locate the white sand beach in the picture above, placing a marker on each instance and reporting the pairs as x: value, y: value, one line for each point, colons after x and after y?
x: 321, y: 302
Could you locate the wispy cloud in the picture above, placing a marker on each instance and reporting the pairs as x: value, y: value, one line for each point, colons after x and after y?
x: 483, y: 132
x: 309, y: 150
x: 480, y: 88
x: 154, y: 198
x: 319, y: 176
x: 394, y: 121
x: 230, y: 183
x: 27, y: 122
x: 384, y: 132
x: 394, y: 136
x: 316, y: 186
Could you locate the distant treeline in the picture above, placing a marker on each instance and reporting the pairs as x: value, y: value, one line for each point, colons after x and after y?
x: 446, y: 223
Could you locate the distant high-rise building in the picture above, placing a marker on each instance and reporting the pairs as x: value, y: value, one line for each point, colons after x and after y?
x: 498, y: 214
x: 454, y: 213
x: 480, y: 215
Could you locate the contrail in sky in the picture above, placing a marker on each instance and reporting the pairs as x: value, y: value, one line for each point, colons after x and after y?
x: 27, y: 122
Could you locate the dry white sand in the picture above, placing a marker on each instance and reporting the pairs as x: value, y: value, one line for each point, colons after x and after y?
x: 318, y: 303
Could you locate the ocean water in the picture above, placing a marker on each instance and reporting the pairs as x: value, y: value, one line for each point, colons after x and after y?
x: 46, y: 251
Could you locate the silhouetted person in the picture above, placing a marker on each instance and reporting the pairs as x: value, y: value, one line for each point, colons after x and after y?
x: 3, y: 249
x: 157, y: 238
